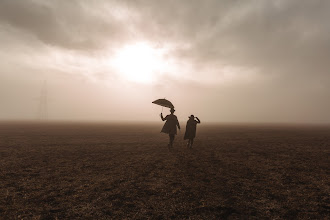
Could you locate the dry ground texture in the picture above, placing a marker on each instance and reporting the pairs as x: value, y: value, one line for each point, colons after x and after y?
x: 91, y: 171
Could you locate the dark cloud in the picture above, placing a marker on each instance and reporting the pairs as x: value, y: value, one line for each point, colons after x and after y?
x: 289, y: 37
x: 66, y: 24
x: 263, y: 34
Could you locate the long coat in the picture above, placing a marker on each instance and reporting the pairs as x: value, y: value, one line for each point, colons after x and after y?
x: 170, y: 124
x: 190, y: 129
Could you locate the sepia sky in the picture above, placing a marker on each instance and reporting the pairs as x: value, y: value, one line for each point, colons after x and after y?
x: 222, y: 60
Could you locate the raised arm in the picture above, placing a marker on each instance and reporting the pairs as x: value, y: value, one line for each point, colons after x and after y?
x: 161, y: 116
x: 198, y: 121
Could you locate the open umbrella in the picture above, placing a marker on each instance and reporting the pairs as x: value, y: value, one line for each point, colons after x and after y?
x: 164, y: 103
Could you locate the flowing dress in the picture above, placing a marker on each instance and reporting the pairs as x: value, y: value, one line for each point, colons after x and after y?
x: 170, y: 124
x: 190, y: 129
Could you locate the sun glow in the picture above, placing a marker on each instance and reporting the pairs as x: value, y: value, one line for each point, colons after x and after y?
x: 139, y: 62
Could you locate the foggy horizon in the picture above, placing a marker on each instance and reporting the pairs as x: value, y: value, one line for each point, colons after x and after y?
x: 223, y: 61
x: 157, y: 122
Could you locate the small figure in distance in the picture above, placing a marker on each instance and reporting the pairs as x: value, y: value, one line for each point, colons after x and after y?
x: 170, y: 126
x: 190, y: 133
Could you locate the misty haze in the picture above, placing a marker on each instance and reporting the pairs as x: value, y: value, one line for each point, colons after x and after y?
x: 213, y: 109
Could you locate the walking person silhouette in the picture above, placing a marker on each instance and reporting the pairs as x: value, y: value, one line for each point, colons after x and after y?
x: 190, y: 133
x: 170, y: 126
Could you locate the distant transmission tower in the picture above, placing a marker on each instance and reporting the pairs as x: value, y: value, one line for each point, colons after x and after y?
x: 43, y: 103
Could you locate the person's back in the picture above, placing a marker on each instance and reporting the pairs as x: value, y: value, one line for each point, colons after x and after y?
x: 170, y: 126
x: 190, y: 133
x: 191, y: 126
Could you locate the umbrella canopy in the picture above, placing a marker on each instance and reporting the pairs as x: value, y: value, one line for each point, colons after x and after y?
x: 164, y: 103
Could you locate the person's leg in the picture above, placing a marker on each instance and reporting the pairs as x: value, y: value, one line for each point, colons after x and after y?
x: 191, y: 142
x: 171, y: 139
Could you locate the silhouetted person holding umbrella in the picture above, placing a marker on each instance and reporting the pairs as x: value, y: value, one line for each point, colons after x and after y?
x: 190, y: 133
x: 170, y: 125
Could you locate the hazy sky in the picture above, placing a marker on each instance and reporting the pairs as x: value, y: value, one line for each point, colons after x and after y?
x: 222, y: 60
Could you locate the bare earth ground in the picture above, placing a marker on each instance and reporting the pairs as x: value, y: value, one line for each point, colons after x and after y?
x: 90, y: 171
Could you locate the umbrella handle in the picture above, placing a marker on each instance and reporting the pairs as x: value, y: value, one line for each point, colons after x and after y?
x: 162, y: 109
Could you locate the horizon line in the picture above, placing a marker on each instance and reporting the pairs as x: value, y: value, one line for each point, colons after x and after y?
x: 73, y: 121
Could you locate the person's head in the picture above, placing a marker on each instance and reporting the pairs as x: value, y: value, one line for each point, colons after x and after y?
x: 191, y: 117
x: 172, y: 110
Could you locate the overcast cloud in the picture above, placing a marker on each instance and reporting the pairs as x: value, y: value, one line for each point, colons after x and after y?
x: 235, y: 61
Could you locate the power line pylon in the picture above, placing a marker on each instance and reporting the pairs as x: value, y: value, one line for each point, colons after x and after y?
x: 43, y: 103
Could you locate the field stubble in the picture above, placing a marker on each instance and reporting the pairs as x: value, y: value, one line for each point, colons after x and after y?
x: 96, y: 171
